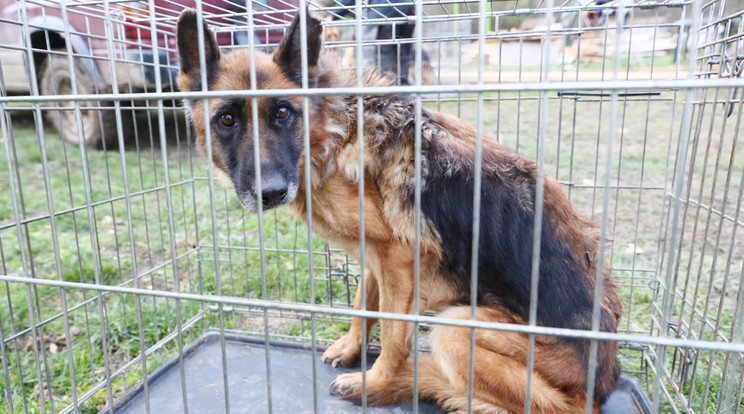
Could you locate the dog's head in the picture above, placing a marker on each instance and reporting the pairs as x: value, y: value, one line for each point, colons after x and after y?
x: 230, y: 120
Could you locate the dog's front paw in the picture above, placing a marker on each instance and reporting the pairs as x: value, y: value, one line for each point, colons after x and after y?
x: 345, y: 384
x: 344, y: 352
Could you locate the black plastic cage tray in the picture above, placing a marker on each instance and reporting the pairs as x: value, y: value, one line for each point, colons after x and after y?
x: 291, y: 383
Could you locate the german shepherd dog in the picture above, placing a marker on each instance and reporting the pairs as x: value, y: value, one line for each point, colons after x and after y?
x: 569, y: 245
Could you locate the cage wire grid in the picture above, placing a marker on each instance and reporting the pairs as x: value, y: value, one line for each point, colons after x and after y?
x: 115, y: 261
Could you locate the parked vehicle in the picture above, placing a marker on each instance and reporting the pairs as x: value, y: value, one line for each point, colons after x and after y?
x: 35, y: 36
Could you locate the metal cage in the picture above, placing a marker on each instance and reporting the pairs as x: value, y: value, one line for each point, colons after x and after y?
x: 119, y: 254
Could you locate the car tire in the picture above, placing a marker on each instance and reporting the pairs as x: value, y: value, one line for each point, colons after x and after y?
x: 98, y: 125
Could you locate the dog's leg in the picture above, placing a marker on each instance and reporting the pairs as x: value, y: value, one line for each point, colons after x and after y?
x: 500, y: 368
x: 347, y: 350
x: 395, y: 281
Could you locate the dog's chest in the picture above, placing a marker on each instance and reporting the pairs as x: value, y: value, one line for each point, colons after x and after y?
x: 336, y: 211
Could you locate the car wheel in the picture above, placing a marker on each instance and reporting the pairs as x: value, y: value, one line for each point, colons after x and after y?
x: 98, y: 125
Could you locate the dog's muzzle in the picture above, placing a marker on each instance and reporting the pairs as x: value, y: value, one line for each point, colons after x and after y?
x: 274, y: 191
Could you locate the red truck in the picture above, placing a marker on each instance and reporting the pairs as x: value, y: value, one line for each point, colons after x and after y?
x: 34, y: 34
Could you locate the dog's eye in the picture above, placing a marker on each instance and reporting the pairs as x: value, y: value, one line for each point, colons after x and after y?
x: 282, y: 113
x: 227, y: 120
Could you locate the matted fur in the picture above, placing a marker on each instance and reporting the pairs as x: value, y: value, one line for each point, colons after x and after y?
x: 568, y: 256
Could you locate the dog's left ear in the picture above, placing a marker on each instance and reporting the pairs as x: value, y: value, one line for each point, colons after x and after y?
x: 188, y: 51
x: 288, y: 55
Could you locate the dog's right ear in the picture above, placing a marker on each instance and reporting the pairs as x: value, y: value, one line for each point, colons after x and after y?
x: 187, y: 38
x: 289, y: 52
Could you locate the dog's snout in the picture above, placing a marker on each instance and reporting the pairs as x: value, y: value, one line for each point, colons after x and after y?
x: 273, y: 196
x: 273, y: 192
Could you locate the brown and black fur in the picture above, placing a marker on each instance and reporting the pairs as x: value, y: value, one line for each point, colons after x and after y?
x: 568, y: 253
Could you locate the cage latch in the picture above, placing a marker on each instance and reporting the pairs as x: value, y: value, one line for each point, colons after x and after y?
x: 216, y: 308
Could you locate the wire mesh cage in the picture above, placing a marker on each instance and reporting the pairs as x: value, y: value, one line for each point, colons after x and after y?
x: 121, y: 257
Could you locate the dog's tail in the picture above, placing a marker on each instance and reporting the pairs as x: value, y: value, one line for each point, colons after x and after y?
x: 433, y: 386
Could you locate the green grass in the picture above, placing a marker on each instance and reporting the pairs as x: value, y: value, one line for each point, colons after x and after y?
x: 94, y: 244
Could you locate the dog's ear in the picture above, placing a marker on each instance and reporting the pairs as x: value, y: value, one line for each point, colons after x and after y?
x: 188, y: 49
x: 288, y: 55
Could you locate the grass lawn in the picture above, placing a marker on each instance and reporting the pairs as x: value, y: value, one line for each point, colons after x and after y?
x: 94, y: 238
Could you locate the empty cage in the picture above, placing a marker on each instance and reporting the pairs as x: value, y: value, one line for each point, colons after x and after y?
x: 133, y: 281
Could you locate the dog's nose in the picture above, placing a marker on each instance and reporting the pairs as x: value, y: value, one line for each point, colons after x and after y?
x: 273, y: 192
